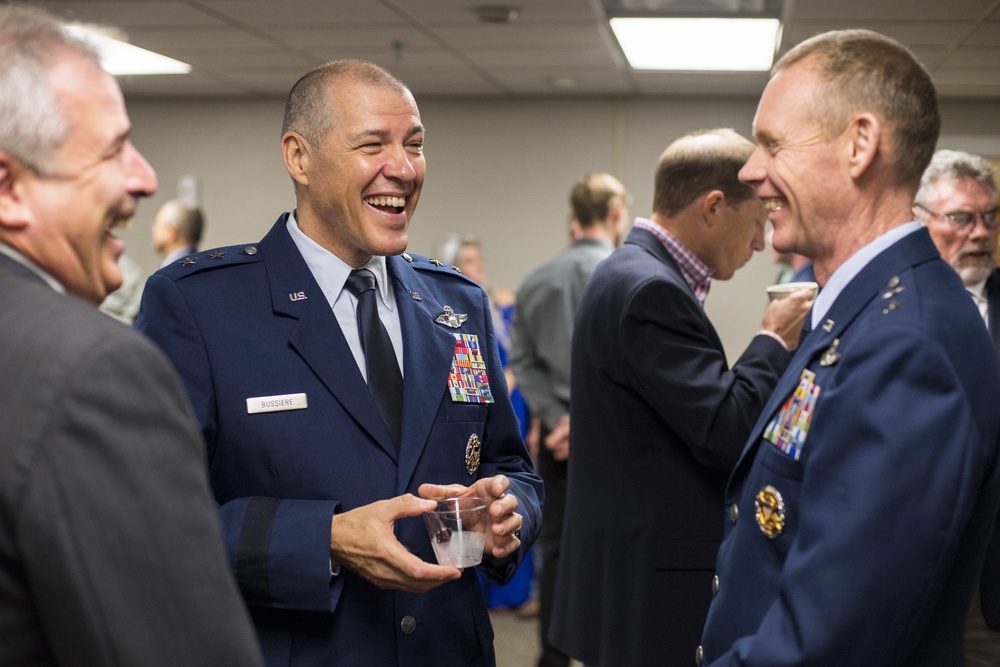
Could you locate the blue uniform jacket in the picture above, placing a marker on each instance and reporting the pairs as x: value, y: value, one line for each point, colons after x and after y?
x: 250, y: 321
x: 879, y: 528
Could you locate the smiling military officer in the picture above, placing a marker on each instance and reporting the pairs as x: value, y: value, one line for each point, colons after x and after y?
x: 336, y: 379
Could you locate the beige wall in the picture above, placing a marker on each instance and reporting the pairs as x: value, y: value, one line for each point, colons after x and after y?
x: 500, y: 169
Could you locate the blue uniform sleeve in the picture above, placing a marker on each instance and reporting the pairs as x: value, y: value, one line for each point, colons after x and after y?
x: 279, y: 549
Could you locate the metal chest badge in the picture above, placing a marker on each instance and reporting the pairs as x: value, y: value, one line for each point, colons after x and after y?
x: 450, y: 318
x: 472, y: 454
x: 770, y: 511
x: 467, y: 380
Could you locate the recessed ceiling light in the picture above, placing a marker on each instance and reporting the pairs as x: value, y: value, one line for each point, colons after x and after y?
x: 697, y: 44
x: 119, y: 58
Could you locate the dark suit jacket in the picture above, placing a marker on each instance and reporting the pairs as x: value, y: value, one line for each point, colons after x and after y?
x: 889, y: 507
x: 110, y: 549
x: 993, y: 298
x: 251, y: 321
x: 990, y: 583
x: 658, y: 419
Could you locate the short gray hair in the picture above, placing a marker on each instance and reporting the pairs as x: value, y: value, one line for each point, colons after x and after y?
x: 32, y: 124
x: 307, y: 109
x: 861, y: 70
x: 952, y: 166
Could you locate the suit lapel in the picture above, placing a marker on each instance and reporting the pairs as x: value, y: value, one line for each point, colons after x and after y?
x: 318, y: 338
x: 428, y: 348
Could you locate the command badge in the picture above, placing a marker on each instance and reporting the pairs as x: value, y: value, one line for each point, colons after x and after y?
x: 472, y: 454
x: 770, y: 511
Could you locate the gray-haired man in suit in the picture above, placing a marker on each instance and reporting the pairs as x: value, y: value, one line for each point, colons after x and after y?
x: 110, y: 548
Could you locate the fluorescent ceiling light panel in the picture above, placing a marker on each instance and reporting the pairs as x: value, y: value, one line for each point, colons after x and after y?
x: 697, y: 44
x: 119, y: 58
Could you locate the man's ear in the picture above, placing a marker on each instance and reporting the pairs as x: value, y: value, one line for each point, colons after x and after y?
x: 712, y: 204
x: 297, y: 153
x: 864, y: 133
x: 14, y: 211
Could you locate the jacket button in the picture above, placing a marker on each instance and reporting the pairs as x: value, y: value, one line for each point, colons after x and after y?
x: 715, y: 585
x: 734, y: 513
x: 699, y: 656
x: 408, y: 625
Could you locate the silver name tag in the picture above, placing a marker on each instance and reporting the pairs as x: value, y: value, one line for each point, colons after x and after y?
x: 276, y: 403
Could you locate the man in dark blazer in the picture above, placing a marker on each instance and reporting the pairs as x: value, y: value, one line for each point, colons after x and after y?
x: 658, y: 416
x: 861, y: 507
x: 317, y: 482
x: 957, y: 202
x: 110, y: 548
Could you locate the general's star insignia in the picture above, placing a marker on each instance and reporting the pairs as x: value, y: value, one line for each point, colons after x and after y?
x: 217, y: 255
x: 450, y: 318
x: 187, y: 261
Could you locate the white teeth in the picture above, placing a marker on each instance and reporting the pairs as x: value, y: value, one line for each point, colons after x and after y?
x: 397, y: 202
x: 774, y: 204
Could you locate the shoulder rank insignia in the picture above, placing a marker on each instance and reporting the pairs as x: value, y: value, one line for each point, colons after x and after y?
x: 450, y: 318
x: 770, y: 511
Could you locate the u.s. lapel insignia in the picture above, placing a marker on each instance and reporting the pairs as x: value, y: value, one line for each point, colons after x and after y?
x: 416, y: 296
x: 831, y: 356
x: 770, y: 511
x: 472, y: 449
x: 828, y: 326
x: 450, y: 318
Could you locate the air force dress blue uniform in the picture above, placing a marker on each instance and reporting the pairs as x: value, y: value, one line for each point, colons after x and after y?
x: 859, y: 512
x: 294, y: 436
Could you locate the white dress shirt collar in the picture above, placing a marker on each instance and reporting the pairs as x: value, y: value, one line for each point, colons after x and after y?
x: 330, y: 271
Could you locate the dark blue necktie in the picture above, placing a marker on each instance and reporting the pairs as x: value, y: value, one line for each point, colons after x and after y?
x: 384, y: 379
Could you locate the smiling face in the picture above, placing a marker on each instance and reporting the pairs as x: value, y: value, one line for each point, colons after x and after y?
x: 360, y: 185
x: 795, y: 167
x: 94, y: 187
x: 971, y: 251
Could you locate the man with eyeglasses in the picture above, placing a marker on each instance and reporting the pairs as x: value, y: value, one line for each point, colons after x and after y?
x: 957, y: 202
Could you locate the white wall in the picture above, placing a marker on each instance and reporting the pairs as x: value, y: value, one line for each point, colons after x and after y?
x: 498, y: 168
